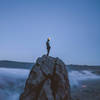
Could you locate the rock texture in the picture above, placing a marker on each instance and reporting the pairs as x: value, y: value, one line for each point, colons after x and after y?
x: 48, y: 80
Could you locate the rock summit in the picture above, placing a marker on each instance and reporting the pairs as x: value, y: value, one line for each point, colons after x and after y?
x: 48, y: 80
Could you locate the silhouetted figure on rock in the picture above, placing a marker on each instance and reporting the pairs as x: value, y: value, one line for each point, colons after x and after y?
x: 48, y: 46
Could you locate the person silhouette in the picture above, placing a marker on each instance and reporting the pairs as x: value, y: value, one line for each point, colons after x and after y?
x: 48, y: 46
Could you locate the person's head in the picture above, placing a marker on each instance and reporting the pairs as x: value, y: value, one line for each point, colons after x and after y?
x: 48, y: 39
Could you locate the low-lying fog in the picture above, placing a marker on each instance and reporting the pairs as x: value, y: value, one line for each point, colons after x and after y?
x: 12, y: 81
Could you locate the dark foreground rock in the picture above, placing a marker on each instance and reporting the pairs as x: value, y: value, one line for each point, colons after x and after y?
x: 48, y: 80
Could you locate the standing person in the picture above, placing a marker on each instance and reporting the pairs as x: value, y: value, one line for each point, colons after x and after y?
x: 48, y: 46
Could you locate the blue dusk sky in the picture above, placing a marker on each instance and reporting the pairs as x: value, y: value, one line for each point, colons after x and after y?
x: 73, y: 25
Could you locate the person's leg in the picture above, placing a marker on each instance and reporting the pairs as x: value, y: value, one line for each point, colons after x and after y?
x: 47, y: 52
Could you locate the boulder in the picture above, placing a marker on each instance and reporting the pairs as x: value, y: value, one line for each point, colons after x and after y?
x: 48, y: 80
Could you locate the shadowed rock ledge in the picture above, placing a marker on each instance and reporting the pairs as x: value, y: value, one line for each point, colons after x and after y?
x: 48, y: 80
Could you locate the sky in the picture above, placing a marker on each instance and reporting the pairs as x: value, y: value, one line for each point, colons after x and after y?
x: 72, y: 25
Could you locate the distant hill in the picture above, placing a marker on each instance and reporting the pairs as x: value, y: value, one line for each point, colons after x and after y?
x: 15, y: 64
x: 27, y: 65
x: 82, y: 67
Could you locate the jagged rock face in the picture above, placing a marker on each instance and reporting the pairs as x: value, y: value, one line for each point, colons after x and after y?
x: 48, y: 80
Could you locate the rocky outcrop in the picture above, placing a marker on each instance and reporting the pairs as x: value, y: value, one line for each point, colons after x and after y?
x: 48, y: 80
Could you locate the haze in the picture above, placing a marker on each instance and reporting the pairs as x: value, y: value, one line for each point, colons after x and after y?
x: 74, y: 28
